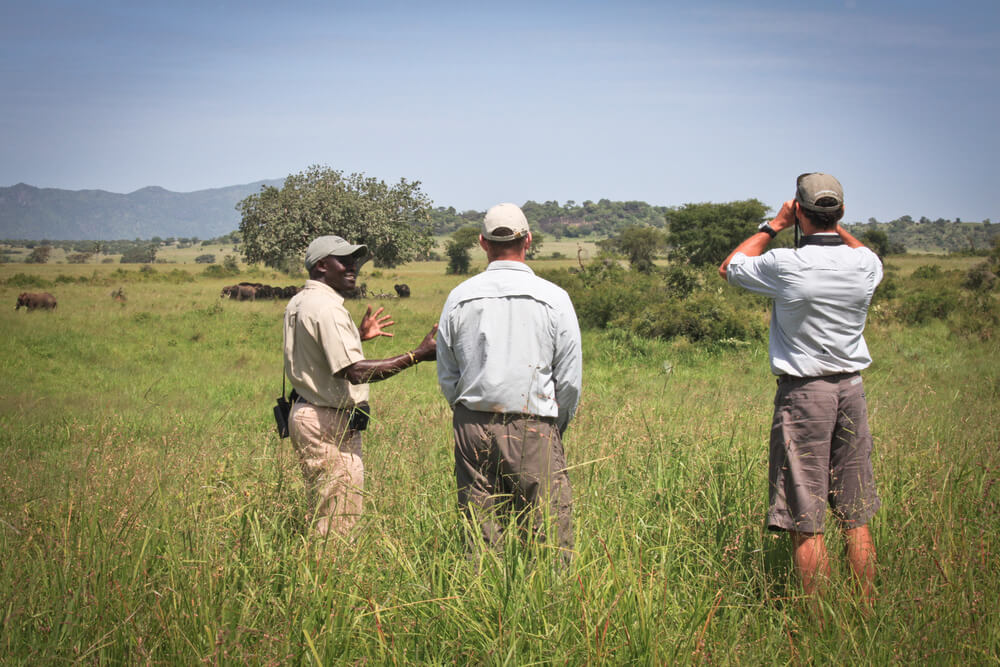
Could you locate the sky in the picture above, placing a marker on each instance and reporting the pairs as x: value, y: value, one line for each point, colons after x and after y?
x: 483, y: 102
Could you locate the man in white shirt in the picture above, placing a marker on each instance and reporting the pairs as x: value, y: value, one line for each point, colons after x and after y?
x: 820, y: 450
x: 510, y: 366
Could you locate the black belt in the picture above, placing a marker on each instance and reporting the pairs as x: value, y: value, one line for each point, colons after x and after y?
x: 784, y: 377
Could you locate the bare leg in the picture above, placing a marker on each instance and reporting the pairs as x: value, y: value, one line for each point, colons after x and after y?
x: 861, y: 556
x: 811, y: 562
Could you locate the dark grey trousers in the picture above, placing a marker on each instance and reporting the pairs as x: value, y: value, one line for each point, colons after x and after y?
x: 512, y: 465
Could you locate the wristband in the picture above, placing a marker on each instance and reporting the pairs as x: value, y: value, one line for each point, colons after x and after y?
x: 413, y: 359
x: 767, y: 229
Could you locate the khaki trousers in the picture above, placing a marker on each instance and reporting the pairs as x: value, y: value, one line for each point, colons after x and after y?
x: 330, y: 457
x: 512, y: 466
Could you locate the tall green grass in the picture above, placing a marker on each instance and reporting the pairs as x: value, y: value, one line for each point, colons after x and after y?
x: 148, y: 512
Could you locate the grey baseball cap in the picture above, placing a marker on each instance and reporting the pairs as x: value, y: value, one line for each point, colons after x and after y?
x: 324, y: 246
x: 810, y: 188
x: 504, y: 222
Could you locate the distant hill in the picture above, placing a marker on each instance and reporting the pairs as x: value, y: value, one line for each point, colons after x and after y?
x: 31, y: 213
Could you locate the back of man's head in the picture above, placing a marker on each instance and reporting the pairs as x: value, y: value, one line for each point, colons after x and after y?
x: 821, y: 198
x: 505, y: 230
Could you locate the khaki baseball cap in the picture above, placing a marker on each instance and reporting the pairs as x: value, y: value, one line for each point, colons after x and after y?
x: 504, y: 222
x: 812, y: 187
x: 324, y: 246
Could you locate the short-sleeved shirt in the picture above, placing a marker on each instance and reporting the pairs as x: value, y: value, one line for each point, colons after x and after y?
x: 320, y: 339
x: 821, y: 296
x: 509, y: 341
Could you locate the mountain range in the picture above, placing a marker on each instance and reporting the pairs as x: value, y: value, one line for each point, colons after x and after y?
x: 31, y: 213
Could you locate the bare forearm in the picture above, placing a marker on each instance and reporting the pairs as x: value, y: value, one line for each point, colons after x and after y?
x: 849, y: 240
x: 375, y: 370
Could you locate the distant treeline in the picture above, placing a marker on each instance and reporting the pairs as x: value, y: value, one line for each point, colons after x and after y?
x: 136, y: 251
x: 571, y: 220
x: 924, y: 235
x: 605, y: 219
x: 601, y: 219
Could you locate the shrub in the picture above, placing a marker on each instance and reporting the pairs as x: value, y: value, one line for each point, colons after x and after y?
x: 927, y: 272
x: 665, y: 304
x: 219, y: 271
x: 702, y: 318
x: 140, y: 254
x: 205, y: 259
x: 980, y: 278
x: 925, y: 304
x: 25, y: 280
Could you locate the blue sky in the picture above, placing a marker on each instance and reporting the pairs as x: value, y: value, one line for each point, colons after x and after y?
x: 665, y: 102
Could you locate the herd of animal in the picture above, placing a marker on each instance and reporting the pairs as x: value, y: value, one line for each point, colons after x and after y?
x: 254, y: 291
x: 239, y: 292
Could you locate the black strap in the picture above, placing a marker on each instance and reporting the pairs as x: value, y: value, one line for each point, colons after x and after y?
x: 821, y: 239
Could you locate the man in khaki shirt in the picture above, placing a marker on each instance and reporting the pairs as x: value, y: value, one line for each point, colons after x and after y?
x: 326, y: 366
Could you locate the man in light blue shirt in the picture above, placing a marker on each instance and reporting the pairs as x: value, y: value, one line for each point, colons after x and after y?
x: 820, y: 451
x: 510, y: 365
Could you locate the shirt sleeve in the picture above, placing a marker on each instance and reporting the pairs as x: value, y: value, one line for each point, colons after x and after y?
x: 875, y: 263
x: 567, y: 366
x: 447, y: 364
x: 756, y: 274
x: 340, y: 340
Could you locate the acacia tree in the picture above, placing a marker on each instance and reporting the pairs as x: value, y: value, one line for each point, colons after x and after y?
x: 277, y: 225
x: 639, y: 244
x: 706, y: 233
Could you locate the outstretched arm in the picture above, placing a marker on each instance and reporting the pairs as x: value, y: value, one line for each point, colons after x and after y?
x: 374, y: 370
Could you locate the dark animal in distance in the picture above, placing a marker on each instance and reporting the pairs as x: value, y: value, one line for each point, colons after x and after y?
x: 35, y: 300
x: 403, y: 291
x: 252, y: 291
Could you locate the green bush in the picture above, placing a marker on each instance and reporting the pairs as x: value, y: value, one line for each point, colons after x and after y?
x: 980, y: 278
x: 219, y: 271
x: 666, y: 304
x: 704, y: 317
x: 25, y: 280
x: 922, y: 305
x: 927, y: 272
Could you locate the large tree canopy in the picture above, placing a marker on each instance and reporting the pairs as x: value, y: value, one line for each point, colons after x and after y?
x: 707, y: 233
x: 277, y: 225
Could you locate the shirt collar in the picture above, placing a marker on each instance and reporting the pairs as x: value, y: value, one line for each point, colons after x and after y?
x: 320, y: 285
x: 510, y: 265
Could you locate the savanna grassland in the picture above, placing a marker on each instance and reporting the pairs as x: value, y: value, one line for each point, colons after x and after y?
x: 150, y: 514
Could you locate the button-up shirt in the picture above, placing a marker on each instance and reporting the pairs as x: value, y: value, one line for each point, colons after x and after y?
x: 509, y: 341
x: 821, y: 296
x: 320, y: 339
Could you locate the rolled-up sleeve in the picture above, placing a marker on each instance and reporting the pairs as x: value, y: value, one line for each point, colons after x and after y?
x: 756, y: 274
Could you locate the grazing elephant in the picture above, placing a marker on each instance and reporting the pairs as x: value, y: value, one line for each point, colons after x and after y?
x: 34, y: 300
x: 246, y: 293
x: 402, y: 291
